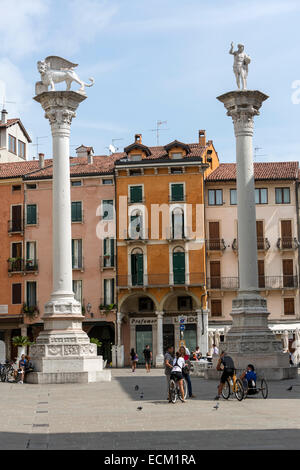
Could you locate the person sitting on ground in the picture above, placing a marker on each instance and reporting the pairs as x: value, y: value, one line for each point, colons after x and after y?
x: 176, y: 372
x: 198, y: 353
x: 226, y: 364
x: 248, y: 378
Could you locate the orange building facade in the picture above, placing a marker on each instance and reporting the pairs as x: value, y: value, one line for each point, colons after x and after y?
x: 161, y: 246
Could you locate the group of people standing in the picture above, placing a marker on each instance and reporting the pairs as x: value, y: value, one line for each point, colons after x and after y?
x: 147, y: 356
x: 179, y: 367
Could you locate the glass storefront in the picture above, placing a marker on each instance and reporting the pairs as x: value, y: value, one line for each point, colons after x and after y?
x: 143, y: 337
x: 168, y: 336
x: 190, y: 336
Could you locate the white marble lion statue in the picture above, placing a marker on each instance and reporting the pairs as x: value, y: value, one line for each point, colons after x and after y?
x: 55, y: 70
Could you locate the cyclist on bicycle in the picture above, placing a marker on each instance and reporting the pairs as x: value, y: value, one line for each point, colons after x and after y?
x: 228, y: 371
x: 176, y: 372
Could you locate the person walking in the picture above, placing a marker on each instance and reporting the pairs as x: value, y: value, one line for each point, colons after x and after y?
x: 134, y: 359
x: 186, y: 370
x: 169, y: 358
x: 148, y: 357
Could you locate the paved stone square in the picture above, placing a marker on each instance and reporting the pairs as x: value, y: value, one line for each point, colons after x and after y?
x: 105, y: 416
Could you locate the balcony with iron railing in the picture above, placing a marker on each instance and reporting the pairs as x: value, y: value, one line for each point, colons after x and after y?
x: 264, y: 282
x: 161, y: 280
x: 16, y: 226
x: 215, y: 244
x: 262, y: 244
x: 107, y: 261
x: 287, y: 243
x: 17, y: 265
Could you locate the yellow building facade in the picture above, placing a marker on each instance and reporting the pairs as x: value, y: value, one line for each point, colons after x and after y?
x: 161, y: 261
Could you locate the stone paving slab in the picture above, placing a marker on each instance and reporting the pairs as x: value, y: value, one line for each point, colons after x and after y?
x: 105, y: 416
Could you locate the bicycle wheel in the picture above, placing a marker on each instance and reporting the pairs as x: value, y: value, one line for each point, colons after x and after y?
x: 172, y: 391
x: 239, y: 390
x: 264, y: 388
x: 226, y: 390
x: 3, y: 377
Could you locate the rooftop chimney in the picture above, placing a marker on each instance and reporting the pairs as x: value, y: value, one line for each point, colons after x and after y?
x: 138, y: 138
x: 42, y: 160
x: 4, y: 116
x: 202, y: 138
x: 90, y: 156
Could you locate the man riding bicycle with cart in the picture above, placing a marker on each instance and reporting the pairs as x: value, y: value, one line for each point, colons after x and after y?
x: 228, y: 371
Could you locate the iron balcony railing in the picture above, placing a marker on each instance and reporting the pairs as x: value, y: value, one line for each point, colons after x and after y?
x: 107, y: 261
x: 264, y: 282
x: 215, y: 244
x: 22, y: 265
x: 162, y: 279
x: 15, y: 226
x: 263, y: 244
x: 216, y: 282
x: 287, y: 243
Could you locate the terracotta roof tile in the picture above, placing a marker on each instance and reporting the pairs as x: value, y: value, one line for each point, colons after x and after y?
x: 262, y: 171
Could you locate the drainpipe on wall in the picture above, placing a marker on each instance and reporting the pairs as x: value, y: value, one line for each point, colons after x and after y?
x: 298, y: 225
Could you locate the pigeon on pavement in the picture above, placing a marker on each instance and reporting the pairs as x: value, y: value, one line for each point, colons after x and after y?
x: 139, y: 408
x: 216, y: 407
x: 290, y: 388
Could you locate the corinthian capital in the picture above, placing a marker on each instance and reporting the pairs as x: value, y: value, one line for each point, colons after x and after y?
x: 60, y: 116
x: 60, y: 106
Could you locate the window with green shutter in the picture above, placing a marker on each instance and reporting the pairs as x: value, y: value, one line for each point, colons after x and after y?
x: 77, y: 211
x: 136, y: 193
x: 177, y: 192
x: 107, y: 209
x: 179, y: 267
x: 137, y: 269
x: 31, y: 217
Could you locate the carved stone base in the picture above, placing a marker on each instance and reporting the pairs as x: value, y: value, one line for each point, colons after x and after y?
x: 250, y: 341
x: 63, y: 352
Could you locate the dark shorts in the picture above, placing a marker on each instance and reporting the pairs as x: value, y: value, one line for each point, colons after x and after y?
x: 176, y: 376
x: 147, y: 361
x: 226, y: 374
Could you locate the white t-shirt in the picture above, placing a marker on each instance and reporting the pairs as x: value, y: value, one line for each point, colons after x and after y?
x: 179, y: 364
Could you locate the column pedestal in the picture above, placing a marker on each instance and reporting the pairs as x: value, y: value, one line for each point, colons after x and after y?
x: 250, y: 340
x: 202, y: 331
x: 63, y: 352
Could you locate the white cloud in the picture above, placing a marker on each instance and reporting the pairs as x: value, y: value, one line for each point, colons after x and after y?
x: 22, y: 26
x: 14, y: 87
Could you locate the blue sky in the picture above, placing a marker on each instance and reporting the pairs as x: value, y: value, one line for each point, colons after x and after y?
x: 156, y: 60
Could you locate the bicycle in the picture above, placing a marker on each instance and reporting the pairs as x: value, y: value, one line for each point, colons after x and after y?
x: 233, y: 386
x: 7, y: 372
x: 174, y: 390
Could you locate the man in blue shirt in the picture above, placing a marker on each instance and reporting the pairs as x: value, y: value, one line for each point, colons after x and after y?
x: 248, y: 378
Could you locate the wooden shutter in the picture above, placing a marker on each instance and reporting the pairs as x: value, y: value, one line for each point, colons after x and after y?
x: 112, y: 252
x: 215, y: 274
x: 136, y: 193
x: 177, y: 192
x: 260, y: 234
x: 31, y: 214
x: 76, y: 211
x: 214, y: 235
x: 288, y: 270
x: 261, y: 273
x: 16, y: 215
x: 289, y: 306
x: 216, y: 307
x: 16, y: 293
x: 286, y: 233
x: 179, y: 267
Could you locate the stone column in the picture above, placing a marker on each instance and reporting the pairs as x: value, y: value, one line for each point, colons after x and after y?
x: 63, y: 352
x: 159, y: 359
x: 202, y: 330
x: 249, y: 339
x: 119, y: 348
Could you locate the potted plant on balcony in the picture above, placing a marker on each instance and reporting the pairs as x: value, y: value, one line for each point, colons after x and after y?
x: 21, y: 342
x: 30, y: 311
x: 106, y: 309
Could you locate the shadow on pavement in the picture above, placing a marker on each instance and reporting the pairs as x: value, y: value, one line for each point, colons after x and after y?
x: 170, y: 440
x: 154, y: 388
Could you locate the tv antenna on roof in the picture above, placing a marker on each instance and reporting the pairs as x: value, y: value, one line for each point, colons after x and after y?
x: 158, y: 129
x: 256, y: 149
x: 37, y: 143
x: 4, y: 102
x: 112, y: 148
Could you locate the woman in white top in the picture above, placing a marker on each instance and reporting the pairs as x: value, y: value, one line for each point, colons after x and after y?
x: 176, y: 372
